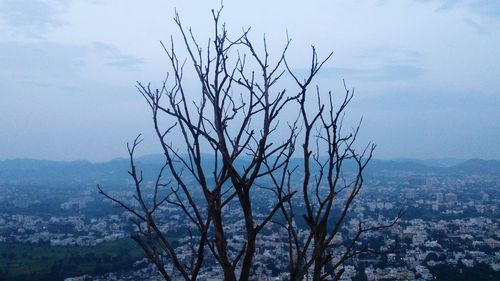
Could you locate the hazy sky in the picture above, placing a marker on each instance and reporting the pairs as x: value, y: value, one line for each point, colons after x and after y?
x: 426, y: 73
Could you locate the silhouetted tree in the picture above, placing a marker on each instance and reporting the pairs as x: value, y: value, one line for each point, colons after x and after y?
x: 238, y: 142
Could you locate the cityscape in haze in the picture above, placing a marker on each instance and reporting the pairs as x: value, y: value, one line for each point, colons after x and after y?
x: 398, y: 128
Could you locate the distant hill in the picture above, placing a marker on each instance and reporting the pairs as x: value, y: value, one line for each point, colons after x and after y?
x: 43, y: 172
x: 407, y: 165
x: 439, y: 162
x: 477, y: 166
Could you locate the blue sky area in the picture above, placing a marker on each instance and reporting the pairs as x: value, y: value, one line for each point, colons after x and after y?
x: 426, y: 73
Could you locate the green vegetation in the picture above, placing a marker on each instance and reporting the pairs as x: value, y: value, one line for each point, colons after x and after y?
x: 21, y: 262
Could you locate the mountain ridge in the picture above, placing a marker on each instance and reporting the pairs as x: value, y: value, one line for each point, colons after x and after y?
x: 83, y: 172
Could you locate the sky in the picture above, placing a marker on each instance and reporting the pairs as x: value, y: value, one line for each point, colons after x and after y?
x: 426, y: 73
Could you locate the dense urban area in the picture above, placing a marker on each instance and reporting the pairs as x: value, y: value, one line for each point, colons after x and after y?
x: 55, y: 226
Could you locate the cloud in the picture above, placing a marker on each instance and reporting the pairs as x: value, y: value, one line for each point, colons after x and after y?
x: 479, y: 28
x: 432, y: 100
x: 448, y: 5
x: 45, y: 65
x: 115, y: 57
x: 381, y: 63
x: 483, y: 16
x: 384, y: 73
x: 487, y: 8
x: 41, y: 63
x: 32, y: 18
x: 390, y: 53
x: 396, y: 72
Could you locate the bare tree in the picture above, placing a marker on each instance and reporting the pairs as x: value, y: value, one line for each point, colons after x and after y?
x: 239, y: 137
